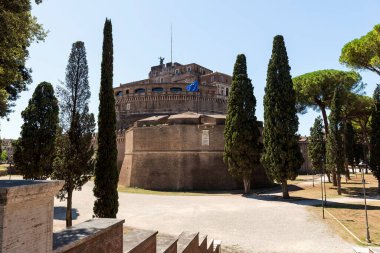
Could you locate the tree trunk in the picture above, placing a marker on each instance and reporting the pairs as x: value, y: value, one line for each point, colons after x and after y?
x: 339, y: 184
x: 285, y: 192
x: 378, y: 186
x: 335, y: 183
x: 324, y: 116
x: 328, y: 176
x: 247, y: 184
x: 347, y: 170
x: 69, y: 218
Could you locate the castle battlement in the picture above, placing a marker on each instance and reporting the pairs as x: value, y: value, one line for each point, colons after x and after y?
x: 164, y: 92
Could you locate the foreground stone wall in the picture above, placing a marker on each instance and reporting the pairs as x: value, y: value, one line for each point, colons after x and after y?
x: 96, y: 235
x: 26, y: 215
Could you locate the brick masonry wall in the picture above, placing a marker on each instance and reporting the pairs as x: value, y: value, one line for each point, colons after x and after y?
x: 172, y: 157
x: 26, y: 215
x: 110, y: 241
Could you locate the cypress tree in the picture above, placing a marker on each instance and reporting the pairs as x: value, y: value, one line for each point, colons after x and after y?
x: 334, y: 146
x: 74, y: 157
x: 34, y: 152
x: 106, y: 173
x: 349, y: 146
x: 242, y: 147
x: 375, y: 136
x: 282, y: 157
x: 317, y: 147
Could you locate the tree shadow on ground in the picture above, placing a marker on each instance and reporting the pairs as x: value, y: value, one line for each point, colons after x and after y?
x: 60, y: 213
x: 310, y: 202
x: 277, y: 189
x: 357, y: 192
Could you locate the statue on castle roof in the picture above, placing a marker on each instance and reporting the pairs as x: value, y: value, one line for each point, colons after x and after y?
x: 161, y: 60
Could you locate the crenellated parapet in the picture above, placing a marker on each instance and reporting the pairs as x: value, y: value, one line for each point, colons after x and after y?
x: 164, y: 93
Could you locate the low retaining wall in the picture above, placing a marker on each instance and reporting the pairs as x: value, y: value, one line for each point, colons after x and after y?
x: 96, y: 235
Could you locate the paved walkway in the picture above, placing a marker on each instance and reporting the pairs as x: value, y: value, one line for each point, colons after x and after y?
x: 255, y: 224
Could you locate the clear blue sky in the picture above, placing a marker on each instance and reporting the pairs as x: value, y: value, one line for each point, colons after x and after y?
x: 210, y: 33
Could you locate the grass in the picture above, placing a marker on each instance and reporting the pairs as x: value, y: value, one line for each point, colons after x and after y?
x: 4, y: 167
x: 351, y: 215
x: 175, y: 193
x: 351, y: 188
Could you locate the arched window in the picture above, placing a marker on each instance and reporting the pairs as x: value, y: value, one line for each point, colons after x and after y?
x: 127, y: 92
x: 158, y: 89
x: 140, y: 90
x: 119, y: 94
x: 175, y: 89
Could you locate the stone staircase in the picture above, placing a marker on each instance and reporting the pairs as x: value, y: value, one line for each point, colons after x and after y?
x: 144, y: 241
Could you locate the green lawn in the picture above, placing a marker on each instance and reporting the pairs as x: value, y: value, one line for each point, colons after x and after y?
x: 176, y: 193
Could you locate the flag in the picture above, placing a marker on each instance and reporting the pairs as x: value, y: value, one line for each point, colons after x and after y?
x: 193, y: 86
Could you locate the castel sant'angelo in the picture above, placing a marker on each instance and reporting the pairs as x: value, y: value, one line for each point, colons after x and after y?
x: 170, y: 138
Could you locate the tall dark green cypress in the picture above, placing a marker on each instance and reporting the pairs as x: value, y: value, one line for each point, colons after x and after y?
x: 242, y: 147
x: 282, y: 157
x: 317, y: 145
x: 334, y: 145
x: 375, y: 136
x: 34, y: 152
x: 349, y: 146
x: 106, y: 173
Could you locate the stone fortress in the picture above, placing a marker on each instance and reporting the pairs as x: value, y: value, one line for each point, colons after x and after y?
x: 172, y: 139
x: 164, y: 93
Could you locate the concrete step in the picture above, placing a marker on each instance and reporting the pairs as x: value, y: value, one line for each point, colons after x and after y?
x: 166, y: 243
x: 203, y: 243
x: 188, y: 242
x: 217, y: 246
x: 210, y: 245
x: 139, y: 241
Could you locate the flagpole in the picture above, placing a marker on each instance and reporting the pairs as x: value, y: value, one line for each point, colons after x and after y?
x: 171, y: 43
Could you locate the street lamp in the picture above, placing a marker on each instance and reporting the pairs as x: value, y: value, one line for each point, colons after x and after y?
x: 323, y: 188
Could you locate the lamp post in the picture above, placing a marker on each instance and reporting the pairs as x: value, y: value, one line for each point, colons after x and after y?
x: 323, y: 188
x: 368, y: 239
x: 323, y: 205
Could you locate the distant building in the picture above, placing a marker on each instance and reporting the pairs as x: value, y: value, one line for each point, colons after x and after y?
x: 170, y: 138
x: 6, y: 144
x: 178, y: 152
x: 306, y: 166
x: 164, y: 93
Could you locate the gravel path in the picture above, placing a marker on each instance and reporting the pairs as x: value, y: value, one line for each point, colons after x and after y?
x: 255, y: 224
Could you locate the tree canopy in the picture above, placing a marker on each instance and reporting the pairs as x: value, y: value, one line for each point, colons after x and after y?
x: 363, y: 53
x: 282, y: 157
x: 316, y: 89
x: 242, y: 147
x: 375, y: 136
x: 106, y: 172
x: 18, y: 30
x: 34, y: 151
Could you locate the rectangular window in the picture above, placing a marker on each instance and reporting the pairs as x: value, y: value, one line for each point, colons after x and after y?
x: 177, y: 71
x: 205, y: 138
x: 189, y: 69
x: 212, y: 79
x: 204, y: 83
x: 128, y: 106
